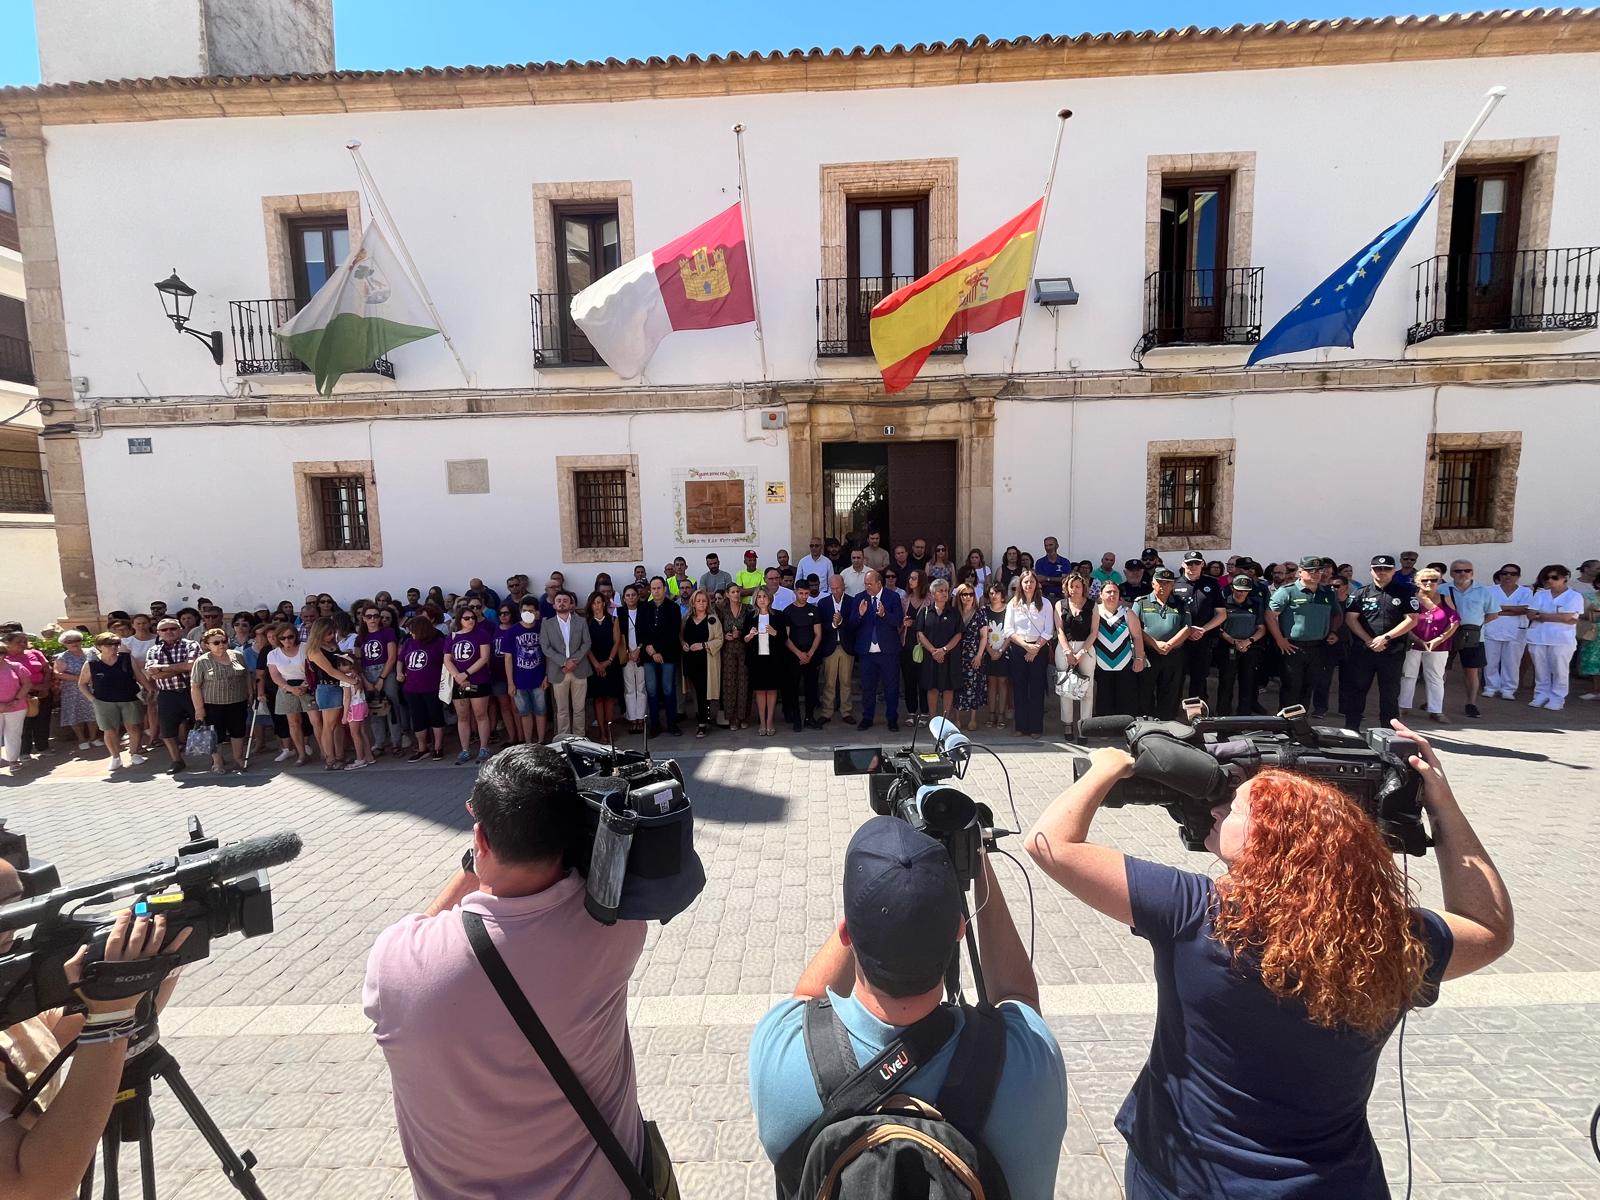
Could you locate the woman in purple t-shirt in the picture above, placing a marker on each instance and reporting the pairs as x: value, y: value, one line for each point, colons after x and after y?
x: 378, y: 651
x: 420, y: 665
x: 471, y: 647
x: 1430, y: 645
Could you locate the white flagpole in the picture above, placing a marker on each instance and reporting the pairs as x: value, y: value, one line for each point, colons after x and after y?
x: 750, y: 246
x: 1490, y: 99
x: 1038, y: 238
x: 382, y: 210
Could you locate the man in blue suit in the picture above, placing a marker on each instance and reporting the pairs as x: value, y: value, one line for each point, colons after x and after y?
x: 877, y: 642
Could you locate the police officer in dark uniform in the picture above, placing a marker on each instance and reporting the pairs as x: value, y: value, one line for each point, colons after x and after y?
x: 1165, y: 622
x: 1243, y: 632
x: 1379, y: 616
x: 1302, y: 617
x: 1202, y: 596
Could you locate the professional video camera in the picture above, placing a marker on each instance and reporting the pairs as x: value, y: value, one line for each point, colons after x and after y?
x: 215, y: 890
x: 636, y: 850
x: 1189, y: 768
x: 910, y: 784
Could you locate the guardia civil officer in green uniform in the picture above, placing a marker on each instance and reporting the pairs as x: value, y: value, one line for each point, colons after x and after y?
x: 1379, y: 616
x: 1303, y: 618
x: 1164, y: 618
x: 1244, y: 629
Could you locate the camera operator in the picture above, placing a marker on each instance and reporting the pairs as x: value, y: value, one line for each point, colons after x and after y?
x: 1293, y: 967
x: 883, y: 970
x: 47, y: 1142
x: 479, y: 1115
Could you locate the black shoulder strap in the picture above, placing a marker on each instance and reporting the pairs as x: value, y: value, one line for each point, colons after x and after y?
x: 550, y: 1054
x: 866, y: 1085
x: 980, y: 1057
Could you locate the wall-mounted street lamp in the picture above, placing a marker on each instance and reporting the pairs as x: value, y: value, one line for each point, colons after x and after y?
x: 177, y: 297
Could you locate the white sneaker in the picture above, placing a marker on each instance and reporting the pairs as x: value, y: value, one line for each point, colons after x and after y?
x: 137, y: 760
x: 1536, y: 702
x: 284, y: 755
x: 85, y: 745
x: 1590, y: 696
x: 1555, y: 705
x: 113, y: 765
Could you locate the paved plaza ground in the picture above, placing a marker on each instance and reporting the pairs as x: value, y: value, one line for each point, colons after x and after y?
x: 1500, y: 1077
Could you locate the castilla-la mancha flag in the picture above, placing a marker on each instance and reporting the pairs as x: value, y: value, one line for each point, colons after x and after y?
x: 983, y: 286
x: 698, y: 281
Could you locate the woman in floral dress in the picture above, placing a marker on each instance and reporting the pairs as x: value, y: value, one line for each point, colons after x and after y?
x: 972, y: 693
x: 735, y: 671
x: 77, y: 710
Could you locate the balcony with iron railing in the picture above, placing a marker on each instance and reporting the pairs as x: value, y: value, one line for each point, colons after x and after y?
x: 1514, y: 291
x: 557, y: 340
x: 1215, y: 307
x: 844, y: 315
x: 16, y: 360
x: 256, y: 351
x: 23, y: 490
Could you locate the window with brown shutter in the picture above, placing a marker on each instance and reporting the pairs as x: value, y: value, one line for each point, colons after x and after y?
x: 1464, y: 491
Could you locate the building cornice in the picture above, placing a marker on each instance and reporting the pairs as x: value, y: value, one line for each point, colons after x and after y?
x: 1341, y: 42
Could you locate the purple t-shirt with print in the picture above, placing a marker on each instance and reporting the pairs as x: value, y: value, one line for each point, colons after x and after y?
x: 422, y: 662
x: 374, y: 647
x: 464, y: 647
x: 527, y: 657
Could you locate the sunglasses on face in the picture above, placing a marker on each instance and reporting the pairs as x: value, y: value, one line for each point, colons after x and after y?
x: 110, y: 645
x: 216, y: 641
x: 370, y: 616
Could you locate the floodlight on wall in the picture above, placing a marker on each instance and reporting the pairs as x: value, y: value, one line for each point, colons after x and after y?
x: 1052, y: 293
x: 177, y: 298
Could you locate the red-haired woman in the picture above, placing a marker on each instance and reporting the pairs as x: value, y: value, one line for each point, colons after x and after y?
x: 1279, y: 982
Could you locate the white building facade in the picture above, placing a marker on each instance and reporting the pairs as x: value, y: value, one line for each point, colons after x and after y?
x: 1207, y: 182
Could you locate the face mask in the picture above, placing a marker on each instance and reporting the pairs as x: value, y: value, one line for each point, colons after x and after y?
x: 528, y: 617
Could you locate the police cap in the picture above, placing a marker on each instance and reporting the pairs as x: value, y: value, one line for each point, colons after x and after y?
x: 1311, y: 562
x: 1383, y: 560
x: 1163, y: 573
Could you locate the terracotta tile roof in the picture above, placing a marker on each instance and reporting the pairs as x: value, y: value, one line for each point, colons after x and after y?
x: 1309, y: 36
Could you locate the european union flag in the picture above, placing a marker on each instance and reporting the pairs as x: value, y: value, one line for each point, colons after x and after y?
x: 1330, y: 314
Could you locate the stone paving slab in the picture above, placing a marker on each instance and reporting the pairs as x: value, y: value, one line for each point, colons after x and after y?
x: 1501, y: 1076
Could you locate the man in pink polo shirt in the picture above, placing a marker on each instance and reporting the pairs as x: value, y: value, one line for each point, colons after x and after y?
x: 479, y: 1116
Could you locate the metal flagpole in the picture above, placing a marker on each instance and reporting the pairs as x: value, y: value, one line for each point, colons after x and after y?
x: 750, y: 246
x: 1490, y: 98
x: 1038, y: 238
x: 382, y: 210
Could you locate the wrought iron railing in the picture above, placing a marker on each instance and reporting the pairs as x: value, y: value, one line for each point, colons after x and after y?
x: 1513, y: 291
x: 22, y: 489
x: 257, y: 352
x: 1220, y: 306
x: 16, y: 362
x: 844, y: 311
x: 557, y: 340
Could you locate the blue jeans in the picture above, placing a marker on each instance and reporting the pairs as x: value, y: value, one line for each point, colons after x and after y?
x: 661, y: 684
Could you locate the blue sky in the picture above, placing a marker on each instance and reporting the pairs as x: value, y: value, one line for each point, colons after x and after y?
x: 375, y: 34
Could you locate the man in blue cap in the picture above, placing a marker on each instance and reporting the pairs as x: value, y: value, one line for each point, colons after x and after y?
x: 883, y: 970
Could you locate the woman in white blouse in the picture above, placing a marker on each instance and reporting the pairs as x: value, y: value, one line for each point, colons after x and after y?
x: 1553, y: 635
x: 1505, y: 637
x: 1030, y: 629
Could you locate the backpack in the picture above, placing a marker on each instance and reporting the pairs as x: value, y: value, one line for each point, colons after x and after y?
x: 872, y: 1139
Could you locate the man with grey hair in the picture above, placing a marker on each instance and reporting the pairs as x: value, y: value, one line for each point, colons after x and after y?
x: 1477, y: 603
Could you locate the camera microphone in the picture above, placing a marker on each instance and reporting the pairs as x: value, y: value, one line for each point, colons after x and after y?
x: 1105, y: 727
x: 240, y: 858
x: 949, y: 741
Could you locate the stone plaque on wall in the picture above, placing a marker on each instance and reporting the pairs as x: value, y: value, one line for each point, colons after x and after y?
x: 467, y: 476
x: 715, y: 507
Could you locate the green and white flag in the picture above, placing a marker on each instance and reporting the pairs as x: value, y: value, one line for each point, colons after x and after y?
x: 366, y: 309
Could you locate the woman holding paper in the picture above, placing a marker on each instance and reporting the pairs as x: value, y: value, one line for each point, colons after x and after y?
x: 763, y: 637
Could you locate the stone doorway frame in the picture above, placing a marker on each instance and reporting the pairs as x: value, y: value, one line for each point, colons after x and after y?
x: 967, y: 422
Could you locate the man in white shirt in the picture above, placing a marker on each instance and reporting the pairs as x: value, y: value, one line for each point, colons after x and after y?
x: 816, y: 563
x: 565, y: 641
x: 855, y: 575
x: 782, y: 597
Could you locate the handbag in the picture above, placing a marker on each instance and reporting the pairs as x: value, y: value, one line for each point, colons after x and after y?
x: 1072, y: 685
x: 446, y: 687
x: 918, y: 653
x: 657, y: 1182
x: 201, y: 742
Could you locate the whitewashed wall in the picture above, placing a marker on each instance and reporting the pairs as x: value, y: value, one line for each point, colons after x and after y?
x: 211, y: 510
x: 1337, y: 473
x: 1341, y: 153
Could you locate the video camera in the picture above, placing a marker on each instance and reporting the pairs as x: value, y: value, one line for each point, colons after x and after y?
x: 636, y: 848
x: 213, y: 889
x: 1189, y: 768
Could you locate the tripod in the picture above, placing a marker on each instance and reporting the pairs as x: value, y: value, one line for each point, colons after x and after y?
x: 131, y: 1121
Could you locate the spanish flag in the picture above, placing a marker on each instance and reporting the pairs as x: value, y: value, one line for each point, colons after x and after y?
x: 983, y: 286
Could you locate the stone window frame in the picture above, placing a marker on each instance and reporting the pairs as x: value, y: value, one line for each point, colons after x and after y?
x: 840, y: 183
x: 1224, y: 450
x: 1239, y: 165
x: 308, y: 512
x: 1508, y: 444
x: 751, y: 478
x: 276, y: 211
x: 567, y: 467
x: 1538, y: 156
x: 549, y: 197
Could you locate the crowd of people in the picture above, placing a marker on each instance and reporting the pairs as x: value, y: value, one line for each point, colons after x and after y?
x: 833, y: 635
